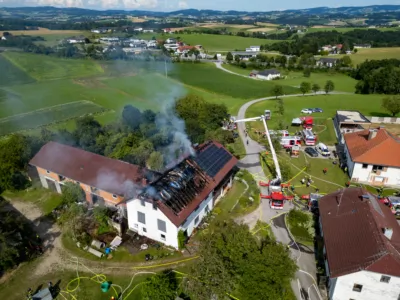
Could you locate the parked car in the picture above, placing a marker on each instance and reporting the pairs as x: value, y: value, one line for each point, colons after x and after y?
x: 307, y: 111
x: 323, y: 149
x: 317, y: 110
x: 311, y: 151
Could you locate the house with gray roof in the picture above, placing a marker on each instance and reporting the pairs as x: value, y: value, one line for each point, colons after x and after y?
x: 327, y: 62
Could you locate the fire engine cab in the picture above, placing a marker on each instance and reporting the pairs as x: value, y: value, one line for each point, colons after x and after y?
x: 309, y: 138
x: 308, y: 122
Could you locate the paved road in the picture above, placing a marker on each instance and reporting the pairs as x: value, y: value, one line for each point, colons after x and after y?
x: 305, y: 282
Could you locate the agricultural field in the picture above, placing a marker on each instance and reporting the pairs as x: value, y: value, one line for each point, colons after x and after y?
x: 342, y: 82
x: 208, y: 77
x: 47, y: 116
x: 369, y: 105
x: 45, y: 32
x: 345, y: 29
x: 11, y: 75
x: 212, y: 42
x: 375, y: 53
x: 43, y: 67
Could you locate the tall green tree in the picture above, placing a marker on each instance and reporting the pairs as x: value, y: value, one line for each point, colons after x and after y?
x: 277, y: 91
x: 72, y: 193
x: 155, y: 161
x: 162, y: 286
x: 280, y: 107
x: 237, y: 58
x: 231, y: 259
x: 329, y: 86
x: 305, y: 87
x: 316, y: 88
x: 392, y: 104
x: 346, y: 61
x: 229, y: 57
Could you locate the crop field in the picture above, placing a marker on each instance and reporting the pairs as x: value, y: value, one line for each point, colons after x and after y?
x: 47, y: 116
x: 369, y: 105
x: 43, y: 67
x: 11, y: 75
x: 345, y: 29
x: 209, y: 78
x: 212, y: 42
x: 375, y: 53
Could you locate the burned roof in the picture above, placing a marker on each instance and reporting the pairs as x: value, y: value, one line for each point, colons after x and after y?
x: 183, y: 187
x: 383, y: 149
x: 98, y: 171
x: 353, y: 224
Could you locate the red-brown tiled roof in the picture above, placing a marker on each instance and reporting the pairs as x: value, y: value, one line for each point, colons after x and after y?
x: 98, y: 171
x: 182, y: 48
x: 212, y: 184
x: 353, y: 233
x: 383, y: 149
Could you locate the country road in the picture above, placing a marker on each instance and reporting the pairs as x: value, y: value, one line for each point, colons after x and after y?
x: 305, y: 285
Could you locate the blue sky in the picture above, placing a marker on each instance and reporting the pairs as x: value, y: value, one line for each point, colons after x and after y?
x: 168, y: 5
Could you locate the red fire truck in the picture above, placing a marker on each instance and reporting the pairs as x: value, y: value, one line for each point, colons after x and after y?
x: 308, y: 137
x: 308, y: 122
x: 290, y: 141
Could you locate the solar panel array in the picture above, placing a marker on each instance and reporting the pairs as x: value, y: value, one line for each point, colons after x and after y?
x: 213, y: 159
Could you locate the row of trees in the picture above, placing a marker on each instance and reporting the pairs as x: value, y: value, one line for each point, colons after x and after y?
x: 144, y: 138
x: 306, y: 87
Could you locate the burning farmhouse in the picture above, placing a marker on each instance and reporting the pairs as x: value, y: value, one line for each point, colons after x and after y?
x: 157, y: 205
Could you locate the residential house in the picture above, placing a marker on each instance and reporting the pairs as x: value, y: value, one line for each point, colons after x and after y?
x: 109, y: 40
x: 182, y: 196
x: 167, y: 30
x: 253, y: 48
x: 100, y: 30
x: 148, y: 30
x: 373, y: 157
x: 245, y: 55
x: 3, y: 38
x: 76, y: 40
x: 173, y: 47
x: 266, y: 74
x: 152, y: 44
x: 347, y: 121
x: 138, y: 29
x: 185, y: 49
x: 171, y: 41
x: 104, y: 180
x: 326, y: 48
x: 359, y: 46
x: 327, y: 62
x: 361, y: 246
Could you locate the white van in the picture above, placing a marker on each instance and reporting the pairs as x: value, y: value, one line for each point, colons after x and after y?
x: 323, y: 150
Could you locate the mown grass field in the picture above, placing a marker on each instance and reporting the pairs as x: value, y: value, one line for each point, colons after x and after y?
x: 11, y: 75
x: 375, y: 53
x: 213, y: 42
x: 342, y: 82
x: 48, y: 115
x: 43, y: 67
x: 369, y: 105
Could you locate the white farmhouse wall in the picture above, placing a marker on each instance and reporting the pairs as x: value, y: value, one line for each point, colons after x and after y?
x: 44, y: 183
x: 350, y: 163
x: 151, y: 226
x: 366, y: 174
x: 372, y: 288
x: 269, y: 77
x: 196, y: 216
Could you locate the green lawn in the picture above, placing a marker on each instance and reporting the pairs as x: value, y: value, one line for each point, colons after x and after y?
x: 342, y: 82
x: 45, y: 199
x: 375, y: 53
x: 43, y: 67
x: 86, y: 288
x: 10, y: 74
x: 369, y: 105
x: 231, y: 198
x: 212, y: 42
x: 209, y: 78
x: 346, y: 29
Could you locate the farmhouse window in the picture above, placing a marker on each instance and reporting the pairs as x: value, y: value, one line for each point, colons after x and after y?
x: 162, y: 226
x: 196, y: 221
x: 144, y: 229
x: 141, y: 217
x: 376, y: 168
x: 47, y: 171
x: 357, y: 288
x: 365, y: 166
x: 142, y: 202
x: 385, y: 278
x: 114, y: 196
x: 163, y: 237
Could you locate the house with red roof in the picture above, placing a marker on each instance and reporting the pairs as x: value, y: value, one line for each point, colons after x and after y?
x: 361, y: 246
x: 373, y: 157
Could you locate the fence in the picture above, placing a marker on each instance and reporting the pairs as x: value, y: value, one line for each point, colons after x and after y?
x: 385, y: 120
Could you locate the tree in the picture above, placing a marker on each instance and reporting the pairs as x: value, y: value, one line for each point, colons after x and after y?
x: 72, y: 193
x: 316, y: 88
x: 346, y: 61
x: 160, y: 287
x: 155, y: 161
x: 280, y: 107
x: 237, y: 58
x: 355, y: 50
x: 329, y: 86
x: 231, y: 258
x: 277, y: 91
x: 305, y: 87
x: 307, y: 73
x: 229, y: 57
x: 391, y: 104
x: 131, y: 116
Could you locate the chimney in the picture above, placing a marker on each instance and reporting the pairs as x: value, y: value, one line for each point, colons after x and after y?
x: 372, y: 134
x: 388, y: 232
